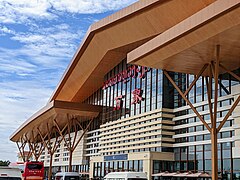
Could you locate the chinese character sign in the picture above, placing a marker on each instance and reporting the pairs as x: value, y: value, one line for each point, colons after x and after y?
x: 131, y: 72
x: 137, y: 96
x: 119, y: 102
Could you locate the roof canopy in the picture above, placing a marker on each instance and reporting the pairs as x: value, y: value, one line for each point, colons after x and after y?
x: 106, y: 44
x: 187, y: 46
x: 57, y: 110
x: 108, y: 41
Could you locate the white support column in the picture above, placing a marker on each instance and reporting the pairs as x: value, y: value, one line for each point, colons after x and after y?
x: 236, y: 116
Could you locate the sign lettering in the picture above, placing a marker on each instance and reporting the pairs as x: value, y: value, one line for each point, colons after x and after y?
x: 137, y: 96
x: 131, y: 72
x: 116, y: 157
x: 119, y: 102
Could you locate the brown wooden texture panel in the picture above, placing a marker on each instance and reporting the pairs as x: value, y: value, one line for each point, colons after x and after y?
x: 58, y: 110
x: 126, y: 28
x: 189, y: 50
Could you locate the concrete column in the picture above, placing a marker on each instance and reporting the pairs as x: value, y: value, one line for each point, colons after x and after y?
x: 147, y: 166
x: 91, y: 168
x: 236, y: 116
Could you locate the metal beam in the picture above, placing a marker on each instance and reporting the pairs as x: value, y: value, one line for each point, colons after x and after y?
x: 84, y: 132
x: 61, y: 131
x: 230, y: 72
x: 188, y: 102
x: 195, y: 79
x: 214, y: 122
x: 209, y: 92
x: 20, y: 151
x: 229, y: 113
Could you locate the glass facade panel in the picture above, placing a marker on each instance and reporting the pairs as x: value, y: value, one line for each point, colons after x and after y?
x: 146, y: 89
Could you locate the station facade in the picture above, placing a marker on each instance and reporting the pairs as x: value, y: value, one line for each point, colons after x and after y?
x: 121, y: 95
x: 146, y: 126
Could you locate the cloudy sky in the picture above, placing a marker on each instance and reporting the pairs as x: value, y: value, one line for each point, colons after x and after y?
x: 37, y: 41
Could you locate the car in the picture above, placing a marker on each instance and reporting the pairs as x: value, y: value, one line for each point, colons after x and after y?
x: 126, y: 176
x: 8, y: 173
x: 67, y: 176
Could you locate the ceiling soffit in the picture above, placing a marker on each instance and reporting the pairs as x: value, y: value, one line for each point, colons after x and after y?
x: 189, y: 45
x: 59, y: 111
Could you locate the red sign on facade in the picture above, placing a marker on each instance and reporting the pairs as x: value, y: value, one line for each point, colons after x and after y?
x: 119, y: 102
x: 137, y: 96
x: 131, y: 71
x: 136, y: 99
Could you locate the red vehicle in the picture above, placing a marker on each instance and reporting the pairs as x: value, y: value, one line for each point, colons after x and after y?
x: 33, y: 170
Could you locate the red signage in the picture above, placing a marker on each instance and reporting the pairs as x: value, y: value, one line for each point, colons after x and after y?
x: 131, y: 71
x: 119, y: 102
x: 137, y: 96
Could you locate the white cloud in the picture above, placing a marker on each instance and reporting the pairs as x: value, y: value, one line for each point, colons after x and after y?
x: 42, y: 48
x: 16, y: 11
x: 19, y: 100
x: 19, y: 67
x: 6, y: 30
x: 89, y: 6
x: 29, y: 72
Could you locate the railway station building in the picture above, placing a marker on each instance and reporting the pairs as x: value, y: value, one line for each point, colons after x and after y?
x: 155, y: 88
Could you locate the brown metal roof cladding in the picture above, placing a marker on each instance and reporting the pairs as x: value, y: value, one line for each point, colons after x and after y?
x: 108, y: 41
x: 106, y: 44
x: 55, y: 110
x: 189, y: 45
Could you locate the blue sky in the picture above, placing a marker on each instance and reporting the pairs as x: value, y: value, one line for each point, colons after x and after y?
x: 38, y: 38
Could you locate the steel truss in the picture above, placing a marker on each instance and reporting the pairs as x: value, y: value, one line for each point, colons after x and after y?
x: 73, y: 125
x: 40, y: 142
x: 24, y: 147
x: 213, y: 68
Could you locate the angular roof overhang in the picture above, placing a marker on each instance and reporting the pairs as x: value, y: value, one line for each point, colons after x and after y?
x: 187, y: 46
x: 55, y: 110
x: 108, y: 41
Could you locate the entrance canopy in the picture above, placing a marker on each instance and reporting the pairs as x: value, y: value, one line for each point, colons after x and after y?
x: 55, y: 111
x: 189, y: 45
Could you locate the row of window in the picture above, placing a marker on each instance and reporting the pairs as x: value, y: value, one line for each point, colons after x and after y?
x: 199, y: 157
x: 228, y: 123
x: 92, y: 140
x: 221, y: 135
x: 103, y: 168
x: 199, y: 91
x: 225, y: 166
x: 92, y: 145
x: 91, y: 134
x: 222, y: 103
x: 92, y: 151
x: 133, y: 145
x: 144, y: 134
x: 152, y: 149
x: 146, y: 128
x: 125, y: 122
x: 196, y: 119
x: 137, y: 139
